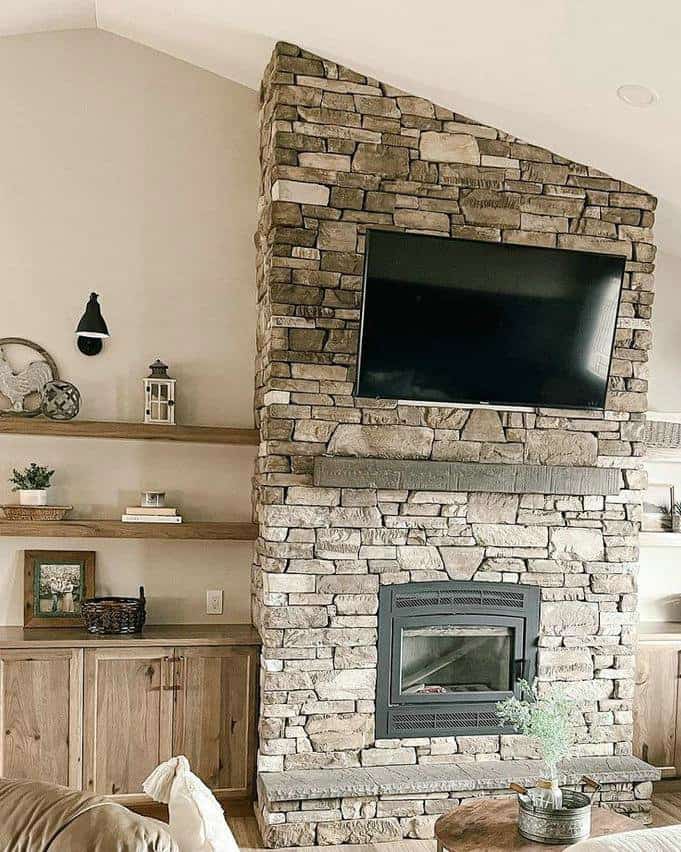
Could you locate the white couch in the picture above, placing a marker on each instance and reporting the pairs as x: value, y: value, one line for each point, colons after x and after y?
x: 666, y: 839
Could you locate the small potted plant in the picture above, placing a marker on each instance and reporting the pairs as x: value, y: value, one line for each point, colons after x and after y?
x: 32, y: 483
x: 547, y: 720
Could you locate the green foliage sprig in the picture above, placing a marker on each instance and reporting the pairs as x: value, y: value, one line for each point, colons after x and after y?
x: 546, y: 719
x: 35, y: 477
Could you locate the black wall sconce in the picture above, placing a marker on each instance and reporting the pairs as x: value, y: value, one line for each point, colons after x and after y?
x: 92, y: 328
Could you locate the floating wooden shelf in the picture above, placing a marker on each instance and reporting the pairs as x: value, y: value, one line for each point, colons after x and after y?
x: 660, y: 539
x: 206, y: 530
x: 127, y: 431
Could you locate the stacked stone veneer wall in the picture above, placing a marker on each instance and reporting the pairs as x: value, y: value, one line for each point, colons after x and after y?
x: 342, y: 153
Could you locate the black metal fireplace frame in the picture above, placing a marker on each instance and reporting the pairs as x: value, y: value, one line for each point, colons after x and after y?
x: 450, y: 603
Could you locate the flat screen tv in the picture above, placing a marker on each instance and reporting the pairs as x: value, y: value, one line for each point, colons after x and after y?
x: 448, y: 320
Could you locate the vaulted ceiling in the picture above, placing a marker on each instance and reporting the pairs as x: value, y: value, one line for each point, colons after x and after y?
x: 545, y: 70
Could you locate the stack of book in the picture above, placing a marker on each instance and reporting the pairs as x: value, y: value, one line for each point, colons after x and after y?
x: 144, y: 515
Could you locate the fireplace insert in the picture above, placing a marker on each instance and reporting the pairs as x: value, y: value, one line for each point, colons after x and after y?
x: 448, y: 652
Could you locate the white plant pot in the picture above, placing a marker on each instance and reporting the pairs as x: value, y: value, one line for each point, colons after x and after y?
x: 33, y: 497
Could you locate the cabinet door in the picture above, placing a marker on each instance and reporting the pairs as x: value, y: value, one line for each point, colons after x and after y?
x: 41, y: 715
x: 214, y: 724
x: 656, y: 705
x: 128, y: 717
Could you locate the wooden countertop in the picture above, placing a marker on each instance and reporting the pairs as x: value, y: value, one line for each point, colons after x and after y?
x: 659, y: 631
x: 153, y: 634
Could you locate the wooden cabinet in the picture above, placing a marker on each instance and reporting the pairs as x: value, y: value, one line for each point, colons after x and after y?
x: 127, y: 718
x: 116, y: 707
x: 212, y: 726
x: 40, y: 715
x: 142, y: 705
x: 657, y: 711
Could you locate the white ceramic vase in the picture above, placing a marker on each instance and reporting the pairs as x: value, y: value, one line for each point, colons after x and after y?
x: 33, y: 497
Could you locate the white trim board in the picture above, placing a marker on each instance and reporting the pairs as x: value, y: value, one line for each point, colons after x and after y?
x: 659, y: 539
x: 662, y: 455
x: 523, y: 408
x: 664, y: 416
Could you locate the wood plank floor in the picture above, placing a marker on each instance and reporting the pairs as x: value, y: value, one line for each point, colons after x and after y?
x: 666, y: 811
x: 667, y: 804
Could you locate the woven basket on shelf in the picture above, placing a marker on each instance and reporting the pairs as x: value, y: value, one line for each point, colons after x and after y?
x: 14, y: 512
x: 114, y: 615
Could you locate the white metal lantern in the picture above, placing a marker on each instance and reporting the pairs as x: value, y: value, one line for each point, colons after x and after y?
x: 159, y: 395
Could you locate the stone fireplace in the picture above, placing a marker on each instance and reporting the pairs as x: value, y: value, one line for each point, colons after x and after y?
x: 361, y: 501
x: 448, y: 652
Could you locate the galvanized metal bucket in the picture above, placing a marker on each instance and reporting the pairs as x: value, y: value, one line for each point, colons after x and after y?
x: 565, y: 825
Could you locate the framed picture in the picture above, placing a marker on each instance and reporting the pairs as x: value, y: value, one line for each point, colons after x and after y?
x: 55, y: 583
x: 657, y: 505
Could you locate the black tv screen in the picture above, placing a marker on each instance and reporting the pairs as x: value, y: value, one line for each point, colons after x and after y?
x: 449, y: 320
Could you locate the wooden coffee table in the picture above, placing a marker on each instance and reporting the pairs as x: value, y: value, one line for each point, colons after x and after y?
x: 491, y: 825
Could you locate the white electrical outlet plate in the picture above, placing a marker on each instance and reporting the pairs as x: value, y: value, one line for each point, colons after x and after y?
x: 214, y: 602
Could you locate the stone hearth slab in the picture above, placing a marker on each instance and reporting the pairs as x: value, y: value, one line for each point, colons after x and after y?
x: 365, y: 781
x: 342, y: 472
x: 461, y: 777
x: 496, y: 774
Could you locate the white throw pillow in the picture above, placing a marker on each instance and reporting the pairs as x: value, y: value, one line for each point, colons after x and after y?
x: 197, y: 822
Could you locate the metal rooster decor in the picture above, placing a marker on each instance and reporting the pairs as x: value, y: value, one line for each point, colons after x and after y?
x: 17, y: 386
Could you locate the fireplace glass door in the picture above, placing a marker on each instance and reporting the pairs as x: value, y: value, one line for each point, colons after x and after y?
x: 448, y: 652
x: 461, y: 657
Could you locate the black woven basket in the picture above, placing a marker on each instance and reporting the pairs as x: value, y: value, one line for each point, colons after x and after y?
x: 114, y: 615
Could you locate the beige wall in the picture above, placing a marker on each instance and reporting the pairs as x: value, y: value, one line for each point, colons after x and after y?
x: 130, y: 173
x: 665, y: 358
x: 659, y: 579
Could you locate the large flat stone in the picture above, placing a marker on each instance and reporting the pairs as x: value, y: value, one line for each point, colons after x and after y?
x: 569, y: 618
x: 611, y: 770
x: 366, y: 781
x: 337, y: 236
x: 483, y: 424
x: 575, y: 543
x: 287, y: 834
x: 449, y: 148
x: 556, y: 446
x: 565, y: 664
x: 340, y: 731
x: 489, y: 508
x: 442, y: 778
x: 460, y: 476
x: 384, y: 160
x: 461, y: 563
x: 498, y: 774
x: 359, y: 831
x: 416, y: 558
x: 406, y: 442
x: 300, y: 193
x: 486, y: 207
x: 510, y: 535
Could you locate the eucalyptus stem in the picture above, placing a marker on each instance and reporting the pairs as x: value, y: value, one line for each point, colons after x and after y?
x: 546, y: 719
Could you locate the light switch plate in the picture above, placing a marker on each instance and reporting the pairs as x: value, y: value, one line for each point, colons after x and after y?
x: 214, y: 602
